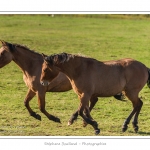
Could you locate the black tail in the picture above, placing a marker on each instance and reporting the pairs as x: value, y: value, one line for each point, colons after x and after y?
x: 148, y: 81
x: 119, y: 96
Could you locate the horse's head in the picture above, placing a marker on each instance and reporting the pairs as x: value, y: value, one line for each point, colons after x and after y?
x: 49, y: 72
x: 5, y: 53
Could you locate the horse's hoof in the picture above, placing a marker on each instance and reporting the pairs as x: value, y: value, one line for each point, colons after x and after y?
x: 136, y: 128
x: 38, y: 117
x: 70, y: 122
x: 57, y: 120
x: 124, y: 128
x: 97, y: 131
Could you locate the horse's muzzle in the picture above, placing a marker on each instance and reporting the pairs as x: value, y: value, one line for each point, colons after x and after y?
x: 44, y: 83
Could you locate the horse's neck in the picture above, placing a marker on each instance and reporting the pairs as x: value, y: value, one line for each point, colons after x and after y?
x: 71, y: 68
x: 27, y: 60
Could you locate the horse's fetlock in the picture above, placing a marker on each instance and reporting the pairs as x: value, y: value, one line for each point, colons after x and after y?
x: 124, y: 128
x: 136, y: 129
x: 97, y: 131
x: 135, y: 124
x: 126, y: 122
x: 33, y: 114
x: 42, y: 109
x: 95, y: 124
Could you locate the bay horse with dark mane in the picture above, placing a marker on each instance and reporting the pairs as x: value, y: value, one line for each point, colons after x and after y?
x: 92, y: 78
x: 30, y: 62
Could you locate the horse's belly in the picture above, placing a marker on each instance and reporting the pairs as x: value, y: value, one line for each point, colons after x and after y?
x: 107, y: 90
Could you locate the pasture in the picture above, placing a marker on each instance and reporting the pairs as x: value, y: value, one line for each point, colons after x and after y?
x: 103, y: 38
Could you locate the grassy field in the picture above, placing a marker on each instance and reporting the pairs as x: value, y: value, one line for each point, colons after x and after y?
x: 104, y: 38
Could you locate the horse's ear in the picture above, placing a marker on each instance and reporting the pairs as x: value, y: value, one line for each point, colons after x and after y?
x: 44, y: 57
x: 3, y: 42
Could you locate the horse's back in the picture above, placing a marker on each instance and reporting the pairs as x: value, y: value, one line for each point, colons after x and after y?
x: 111, y: 77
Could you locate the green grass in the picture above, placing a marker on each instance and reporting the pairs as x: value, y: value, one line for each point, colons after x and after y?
x: 101, y: 37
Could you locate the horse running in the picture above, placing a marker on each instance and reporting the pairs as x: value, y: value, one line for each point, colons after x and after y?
x: 91, y: 78
x: 30, y: 63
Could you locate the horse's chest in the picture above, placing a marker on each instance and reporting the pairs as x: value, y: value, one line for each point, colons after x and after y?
x: 74, y: 87
x: 29, y: 82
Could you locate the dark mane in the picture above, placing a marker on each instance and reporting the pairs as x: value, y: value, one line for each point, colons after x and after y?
x: 59, y: 58
x: 21, y: 46
x: 13, y: 46
x: 63, y: 57
x: 26, y: 48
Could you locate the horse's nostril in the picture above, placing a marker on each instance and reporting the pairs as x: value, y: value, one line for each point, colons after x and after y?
x: 44, y: 83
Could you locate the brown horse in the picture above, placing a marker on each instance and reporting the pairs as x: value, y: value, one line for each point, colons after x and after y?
x: 28, y: 61
x: 91, y: 78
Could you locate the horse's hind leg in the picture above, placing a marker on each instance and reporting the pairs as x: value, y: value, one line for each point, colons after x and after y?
x: 93, y: 101
x: 27, y: 99
x: 135, y: 119
x: 133, y: 97
x: 127, y: 121
x: 41, y: 102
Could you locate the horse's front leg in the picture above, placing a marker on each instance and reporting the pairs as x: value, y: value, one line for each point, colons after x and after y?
x: 93, y: 101
x: 41, y: 103
x: 27, y: 99
x: 73, y: 118
x: 84, y: 105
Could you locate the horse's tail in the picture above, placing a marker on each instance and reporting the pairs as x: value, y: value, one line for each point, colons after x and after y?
x: 148, y: 81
